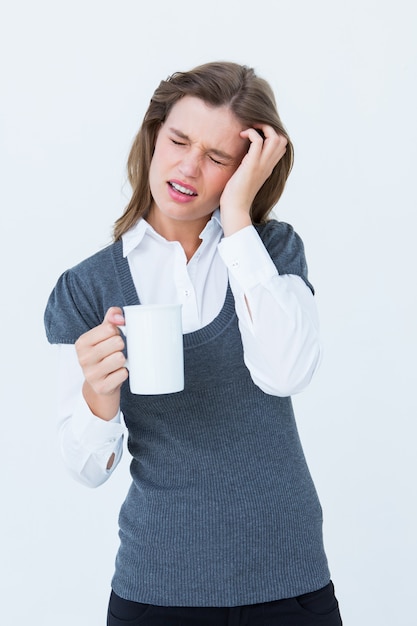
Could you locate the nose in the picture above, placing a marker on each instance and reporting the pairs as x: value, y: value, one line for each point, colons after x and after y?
x: 189, y: 165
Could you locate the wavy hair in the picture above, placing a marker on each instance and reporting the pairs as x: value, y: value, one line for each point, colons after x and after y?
x: 218, y: 84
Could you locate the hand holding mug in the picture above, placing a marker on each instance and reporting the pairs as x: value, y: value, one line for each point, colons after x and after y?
x: 100, y: 354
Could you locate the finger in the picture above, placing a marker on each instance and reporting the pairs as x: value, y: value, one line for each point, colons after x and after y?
x: 115, y: 379
x: 256, y: 139
x: 107, y: 328
x: 265, y: 141
x: 91, y: 355
x: 264, y: 154
x: 96, y: 374
x: 267, y: 131
x: 108, y: 383
x: 274, y: 146
x: 101, y: 369
x: 270, y: 135
x: 114, y: 316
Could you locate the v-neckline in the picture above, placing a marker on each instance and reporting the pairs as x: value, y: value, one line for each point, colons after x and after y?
x: 193, y: 339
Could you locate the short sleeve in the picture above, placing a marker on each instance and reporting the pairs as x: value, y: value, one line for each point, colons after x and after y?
x: 70, y: 311
x: 85, y: 292
x: 285, y: 248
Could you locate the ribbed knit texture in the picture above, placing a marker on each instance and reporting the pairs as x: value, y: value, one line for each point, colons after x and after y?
x: 222, y: 510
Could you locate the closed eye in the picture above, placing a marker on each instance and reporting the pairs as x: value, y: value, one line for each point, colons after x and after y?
x: 215, y: 161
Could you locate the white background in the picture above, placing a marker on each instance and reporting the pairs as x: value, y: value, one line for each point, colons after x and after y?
x: 76, y: 78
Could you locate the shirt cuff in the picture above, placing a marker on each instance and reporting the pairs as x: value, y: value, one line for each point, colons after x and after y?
x: 246, y: 258
x: 92, y: 432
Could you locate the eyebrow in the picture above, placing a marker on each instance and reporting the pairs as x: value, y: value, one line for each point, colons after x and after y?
x: 219, y: 153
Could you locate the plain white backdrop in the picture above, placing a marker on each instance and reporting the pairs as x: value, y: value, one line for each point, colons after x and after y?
x: 76, y: 78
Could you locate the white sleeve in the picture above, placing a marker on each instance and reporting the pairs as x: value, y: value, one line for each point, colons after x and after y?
x: 87, y: 442
x: 278, y: 318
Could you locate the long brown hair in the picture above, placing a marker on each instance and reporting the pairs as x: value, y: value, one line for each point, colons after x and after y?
x: 218, y: 84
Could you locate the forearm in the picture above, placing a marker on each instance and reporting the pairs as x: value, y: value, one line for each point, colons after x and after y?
x: 280, y: 336
x: 91, y: 447
x: 277, y: 316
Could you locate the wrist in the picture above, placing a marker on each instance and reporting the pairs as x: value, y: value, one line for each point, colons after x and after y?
x: 234, y: 221
x: 103, y: 406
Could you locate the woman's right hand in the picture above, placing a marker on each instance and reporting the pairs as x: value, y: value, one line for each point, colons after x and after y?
x: 100, y: 354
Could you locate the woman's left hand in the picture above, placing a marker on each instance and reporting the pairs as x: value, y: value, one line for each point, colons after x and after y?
x: 256, y: 166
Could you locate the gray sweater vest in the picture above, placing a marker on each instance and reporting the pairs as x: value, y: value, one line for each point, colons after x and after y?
x: 222, y: 510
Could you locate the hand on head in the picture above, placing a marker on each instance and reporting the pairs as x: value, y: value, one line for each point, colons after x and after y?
x: 266, y: 149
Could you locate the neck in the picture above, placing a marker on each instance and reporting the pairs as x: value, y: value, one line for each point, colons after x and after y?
x: 187, y: 233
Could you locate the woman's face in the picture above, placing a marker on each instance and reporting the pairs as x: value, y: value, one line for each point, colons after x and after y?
x: 197, y: 150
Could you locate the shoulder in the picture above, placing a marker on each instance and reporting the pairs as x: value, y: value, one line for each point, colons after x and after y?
x: 94, y: 264
x: 274, y: 233
x: 285, y: 247
x: 93, y: 276
x: 81, y: 295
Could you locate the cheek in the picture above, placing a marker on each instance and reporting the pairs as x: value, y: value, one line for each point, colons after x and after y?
x: 158, y: 160
x: 218, y: 185
x: 223, y: 180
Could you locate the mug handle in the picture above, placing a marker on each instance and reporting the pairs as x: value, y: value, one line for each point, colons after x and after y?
x: 124, y: 332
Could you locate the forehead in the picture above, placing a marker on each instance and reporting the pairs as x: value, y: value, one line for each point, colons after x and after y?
x: 203, y: 123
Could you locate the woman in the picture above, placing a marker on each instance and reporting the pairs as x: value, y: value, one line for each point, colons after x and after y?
x: 222, y: 523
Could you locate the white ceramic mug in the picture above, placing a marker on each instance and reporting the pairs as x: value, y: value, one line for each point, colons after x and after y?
x: 155, y: 357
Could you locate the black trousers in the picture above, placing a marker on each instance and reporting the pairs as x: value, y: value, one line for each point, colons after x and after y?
x: 319, y: 608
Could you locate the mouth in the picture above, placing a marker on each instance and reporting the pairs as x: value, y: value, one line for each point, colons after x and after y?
x: 187, y: 190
